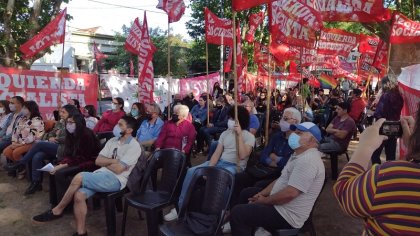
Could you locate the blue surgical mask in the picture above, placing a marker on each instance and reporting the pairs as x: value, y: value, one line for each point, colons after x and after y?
x: 117, y: 131
x: 294, y: 141
x: 113, y: 106
x: 134, y: 112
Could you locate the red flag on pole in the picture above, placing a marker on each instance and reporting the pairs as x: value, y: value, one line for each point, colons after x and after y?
x: 254, y: 21
x: 174, y: 8
x: 133, y: 41
x: 51, y: 34
x: 228, y: 63
x: 239, y: 5
x: 98, y: 54
x: 337, y: 42
x: 217, y: 28
x: 404, y: 30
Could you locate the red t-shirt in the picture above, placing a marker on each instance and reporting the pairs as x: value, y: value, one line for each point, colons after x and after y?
x: 348, y: 125
x: 357, y: 107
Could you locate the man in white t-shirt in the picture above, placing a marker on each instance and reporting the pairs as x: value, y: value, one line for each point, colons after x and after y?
x: 117, y: 160
x: 287, y: 202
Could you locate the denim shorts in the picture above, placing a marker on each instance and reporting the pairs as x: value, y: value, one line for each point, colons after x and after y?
x: 98, y: 182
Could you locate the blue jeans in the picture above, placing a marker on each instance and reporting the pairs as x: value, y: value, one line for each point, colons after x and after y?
x: 205, y: 134
x: 4, y: 143
x: 212, y: 148
x: 229, y: 166
x: 38, y: 153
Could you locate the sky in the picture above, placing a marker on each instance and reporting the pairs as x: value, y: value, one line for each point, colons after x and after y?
x: 93, y: 13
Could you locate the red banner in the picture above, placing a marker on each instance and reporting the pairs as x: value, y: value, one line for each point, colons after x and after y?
x: 368, y: 44
x: 98, y: 54
x: 218, y: 31
x: 133, y: 41
x: 44, y: 88
x: 145, y: 65
x: 404, y: 30
x: 51, y: 34
x: 227, y: 66
x: 351, y: 10
x: 293, y: 22
x: 337, y: 42
x: 239, y: 5
x: 310, y: 57
x: 255, y: 20
x: 283, y: 52
x: 239, y: 62
x: 197, y: 85
x: 174, y: 8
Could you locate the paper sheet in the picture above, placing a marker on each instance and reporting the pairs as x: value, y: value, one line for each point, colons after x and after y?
x: 48, y: 167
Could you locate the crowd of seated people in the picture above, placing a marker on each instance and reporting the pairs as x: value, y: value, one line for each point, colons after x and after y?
x: 277, y: 189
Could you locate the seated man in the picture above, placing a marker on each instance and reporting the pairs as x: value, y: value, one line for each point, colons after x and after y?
x: 272, y: 159
x: 117, y: 160
x: 150, y: 129
x: 340, y: 130
x: 287, y: 202
x: 218, y: 124
x: 254, y: 123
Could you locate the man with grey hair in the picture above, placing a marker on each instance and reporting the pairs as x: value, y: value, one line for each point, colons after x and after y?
x: 254, y: 123
x: 150, y: 129
x: 178, y: 132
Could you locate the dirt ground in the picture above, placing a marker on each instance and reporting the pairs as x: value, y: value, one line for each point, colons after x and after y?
x: 16, y: 211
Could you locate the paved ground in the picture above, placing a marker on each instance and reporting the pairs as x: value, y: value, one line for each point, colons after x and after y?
x: 16, y: 211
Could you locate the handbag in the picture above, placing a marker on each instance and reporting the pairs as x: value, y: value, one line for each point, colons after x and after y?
x: 201, y: 224
x: 261, y: 171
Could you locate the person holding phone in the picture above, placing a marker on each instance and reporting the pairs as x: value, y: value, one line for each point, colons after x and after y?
x: 384, y: 196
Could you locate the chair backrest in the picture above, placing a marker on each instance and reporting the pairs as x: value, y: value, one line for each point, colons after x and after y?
x: 172, y: 162
x: 214, y: 200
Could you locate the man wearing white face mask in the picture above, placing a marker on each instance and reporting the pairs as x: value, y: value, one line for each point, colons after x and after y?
x: 287, y: 202
x: 16, y: 104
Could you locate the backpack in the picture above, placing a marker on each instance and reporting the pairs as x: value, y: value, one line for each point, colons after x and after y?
x: 136, y: 175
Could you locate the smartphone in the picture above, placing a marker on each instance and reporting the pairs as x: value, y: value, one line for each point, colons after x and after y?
x: 391, y: 128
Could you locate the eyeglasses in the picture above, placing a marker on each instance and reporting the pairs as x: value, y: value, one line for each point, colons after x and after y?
x: 71, y: 122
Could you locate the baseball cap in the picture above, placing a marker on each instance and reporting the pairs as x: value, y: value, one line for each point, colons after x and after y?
x: 308, y: 127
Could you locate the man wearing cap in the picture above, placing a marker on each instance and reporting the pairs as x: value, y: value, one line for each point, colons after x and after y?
x: 339, y: 130
x: 287, y: 202
x: 357, y: 106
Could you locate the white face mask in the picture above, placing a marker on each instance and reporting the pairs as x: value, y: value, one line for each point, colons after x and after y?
x: 284, y: 125
x: 1, y: 110
x: 231, y: 124
x: 113, y: 106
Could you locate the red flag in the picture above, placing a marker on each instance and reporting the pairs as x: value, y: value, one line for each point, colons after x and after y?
x: 174, y: 8
x: 351, y: 10
x: 380, y: 60
x: 254, y: 21
x: 404, y: 30
x: 51, y: 34
x: 293, y: 22
x: 133, y: 41
x: 131, y: 68
x: 145, y: 65
x: 292, y: 67
x: 368, y: 44
x: 228, y: 63
x: 239, y: 61
x: 239, y: 5
x: 98, y: 54
x: 337, y: 42
x: 283, y: 51
x: 217, y: 28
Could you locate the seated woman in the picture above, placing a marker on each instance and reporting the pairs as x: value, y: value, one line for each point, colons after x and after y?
x: 5, y: 114
x: 81, y: 147
x: 138, y: 111
x: 29, y: 129
x: 50, y: 148
x: 89, y: 112
x: 111, y: 117
x: 177, y: 133
x: 226, y: 155
x: 199, y: 113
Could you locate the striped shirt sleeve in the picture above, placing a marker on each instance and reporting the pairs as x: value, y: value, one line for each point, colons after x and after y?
x: 355, y: 189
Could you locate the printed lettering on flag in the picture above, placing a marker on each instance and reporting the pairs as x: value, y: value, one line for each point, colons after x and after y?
x: 283, y: 51
x: 228, y: 63
x: 351, y: 10
x: 337, y: 42
x: 98, y: 54
x: 255, y: 20
x: 174, y: 8
x: 133, y: 41
x: 51, y: 34
x: 239, y: 61
x: 293, y: 22
x: 218, y: 28
x: 239, y: 5
x: 404, y: 30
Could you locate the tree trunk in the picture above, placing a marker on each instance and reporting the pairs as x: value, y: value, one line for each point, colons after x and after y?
x: 33, y: 19
x: 403, y: 55
x: 8, y: 39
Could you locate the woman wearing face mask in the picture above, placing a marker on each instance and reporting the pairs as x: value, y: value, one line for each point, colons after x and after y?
x: 199, y: 113
x: 226, y: 155
x: 89, y: 112
x: 138, y: 111
x: 81, y: 147
x: 29, y: 129
x: 4, y: 115
x: 177, y: 133
x: 110, y: 118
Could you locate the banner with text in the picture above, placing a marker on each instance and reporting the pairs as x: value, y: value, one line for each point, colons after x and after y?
x: 218, y: 31
x: 405, y: 30
x: 44, y: 88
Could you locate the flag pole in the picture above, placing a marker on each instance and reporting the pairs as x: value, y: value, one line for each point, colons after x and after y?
x: 235, y: 83
x: 208, y: 83
x: 169, y: 70
x: 98, y: 74
x: 301, y: 82
x: 267, y: 113
x: 61, y: 70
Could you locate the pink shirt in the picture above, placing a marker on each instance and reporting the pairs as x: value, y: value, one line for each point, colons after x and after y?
x: 181, y: 136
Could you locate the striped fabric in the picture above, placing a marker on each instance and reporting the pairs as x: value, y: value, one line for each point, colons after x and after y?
x: 387, y: 197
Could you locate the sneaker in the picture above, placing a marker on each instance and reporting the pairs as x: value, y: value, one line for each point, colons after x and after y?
x: 226, y: 228
x: 172, y: 215
x: 262, y: 232
x: 45, y: 217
